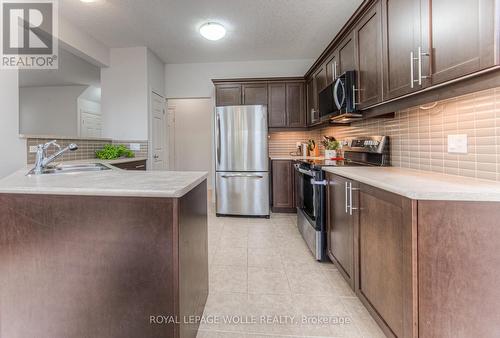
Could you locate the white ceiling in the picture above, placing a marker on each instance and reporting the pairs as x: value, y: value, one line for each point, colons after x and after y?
x: 257, y: 29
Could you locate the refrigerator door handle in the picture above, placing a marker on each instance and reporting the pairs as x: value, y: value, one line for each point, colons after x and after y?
x: 218, y: 139
x: 242, y: 175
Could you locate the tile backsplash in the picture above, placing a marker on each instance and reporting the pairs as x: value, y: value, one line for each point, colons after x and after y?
x: 419, y: 135
x: 86, y: 148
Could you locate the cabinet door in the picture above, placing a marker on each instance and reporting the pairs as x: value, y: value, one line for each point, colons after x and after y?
x: 283, y: 187
x: 346, y: 58
x: 332, y: 68
x: 401, y: 39
x: 340, y: 227
x: 386, y: 245
x: 310, y: 101
x: 319, y: 83
x: 368, y: 37
x: 462, y: 35
x: 255, y: 93
x: 295, y: 104
x: 277, y: 105
x: 228, y: 95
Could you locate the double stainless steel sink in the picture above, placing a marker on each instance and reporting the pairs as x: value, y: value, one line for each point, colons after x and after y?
x: 72, y: 168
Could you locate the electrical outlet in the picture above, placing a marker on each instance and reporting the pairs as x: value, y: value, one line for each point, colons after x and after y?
x: 135, y: 146
x: 33, y: 149
x: 457, y: 144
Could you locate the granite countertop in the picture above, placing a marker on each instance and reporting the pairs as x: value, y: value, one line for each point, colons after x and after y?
x: 421, y: 185
x: 113, y: 182
x: 294, y: 157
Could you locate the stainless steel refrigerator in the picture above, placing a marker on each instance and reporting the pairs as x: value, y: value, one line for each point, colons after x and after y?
x: 241, y: 161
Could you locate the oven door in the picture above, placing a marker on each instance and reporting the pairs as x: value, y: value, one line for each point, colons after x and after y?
x: 308, y: 192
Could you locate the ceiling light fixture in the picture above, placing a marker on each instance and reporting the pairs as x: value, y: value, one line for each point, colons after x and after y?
x: 88, y: 1
x: 212, y: 31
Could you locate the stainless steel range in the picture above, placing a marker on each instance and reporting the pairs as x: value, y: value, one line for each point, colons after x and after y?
x: 311, y: 185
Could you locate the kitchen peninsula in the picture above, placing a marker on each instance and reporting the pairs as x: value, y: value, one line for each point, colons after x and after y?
x: 99, y: 254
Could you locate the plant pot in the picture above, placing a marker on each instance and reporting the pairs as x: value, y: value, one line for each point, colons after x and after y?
x: 329, y: 154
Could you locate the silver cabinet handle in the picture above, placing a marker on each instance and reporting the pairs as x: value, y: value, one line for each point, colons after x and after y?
x: 346, y: 200
x: 420, y: 54
x: 334, y: 70
x: 139, y: 166
x: 242, y: 175
x: 351, y: 208
x: 412, y: 60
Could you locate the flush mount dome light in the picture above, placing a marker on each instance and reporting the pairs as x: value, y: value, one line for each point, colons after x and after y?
x: 212, y: 31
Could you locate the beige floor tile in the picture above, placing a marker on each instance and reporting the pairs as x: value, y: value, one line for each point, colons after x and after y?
x: 224, y: 311
x: 231, y: 256
x: 228, y: 279
x: 275, y: 315
x: 340, y: 286
x: 324, y: 316
x: 282, y: 278
x: 264, y: 258
x: 310, y: 283
x: 267, y: 281
x: 365, y: 323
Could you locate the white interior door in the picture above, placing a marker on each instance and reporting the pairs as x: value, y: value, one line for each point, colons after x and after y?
x: 171, y: 137
x: 90, y: 124
x: 158, y: 132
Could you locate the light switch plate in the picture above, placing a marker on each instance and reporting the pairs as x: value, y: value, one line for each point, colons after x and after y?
x: 457, y: 144
x: 33, y: 149
x: 135, y: 146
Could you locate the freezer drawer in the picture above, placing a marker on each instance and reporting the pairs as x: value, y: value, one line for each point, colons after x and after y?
x: 242, y: 193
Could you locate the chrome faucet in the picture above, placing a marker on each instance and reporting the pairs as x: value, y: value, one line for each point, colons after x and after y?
x: 41, y: 155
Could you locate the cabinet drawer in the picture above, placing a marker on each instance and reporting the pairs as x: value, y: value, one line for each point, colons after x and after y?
x: 134, y: 165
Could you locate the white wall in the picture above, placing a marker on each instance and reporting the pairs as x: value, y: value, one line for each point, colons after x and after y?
x: 49, y: 110
x: 124, y: 102
x: 156, y: 73
x: 82, y: 44
x: 195, y: 79
x: 193, y: 147
x: 12, y: 148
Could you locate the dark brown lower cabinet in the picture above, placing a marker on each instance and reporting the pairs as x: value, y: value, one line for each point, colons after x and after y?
x: 340, y: 227
x: 133, y: 165
x: 385, y: 245
x: 283, y: 193
x: 421, y: 268
x: 458, y: 269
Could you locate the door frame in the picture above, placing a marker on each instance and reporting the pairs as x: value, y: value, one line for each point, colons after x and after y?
x: 150, y: 133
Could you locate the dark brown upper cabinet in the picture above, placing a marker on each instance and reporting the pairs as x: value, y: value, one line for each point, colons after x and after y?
x: 462, y: 37
x: 401, y: 31
x: 346, y: 55
x: 368, y: 40
x: 332, y: 67
x: 228, y: 95
x: 254, y: 93
x: 296, y: 116
x: 277, y: 105
x: 319, y: 83
x: 311, y: 104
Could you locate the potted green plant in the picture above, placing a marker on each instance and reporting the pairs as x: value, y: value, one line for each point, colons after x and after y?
x: 331, y: 147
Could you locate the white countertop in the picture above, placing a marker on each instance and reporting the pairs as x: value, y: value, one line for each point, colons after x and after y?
x: 114, y: 182
x: 294, y: 157
x: 421, y: 185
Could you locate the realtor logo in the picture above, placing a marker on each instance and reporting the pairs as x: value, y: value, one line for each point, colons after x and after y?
x: 29, y: 34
